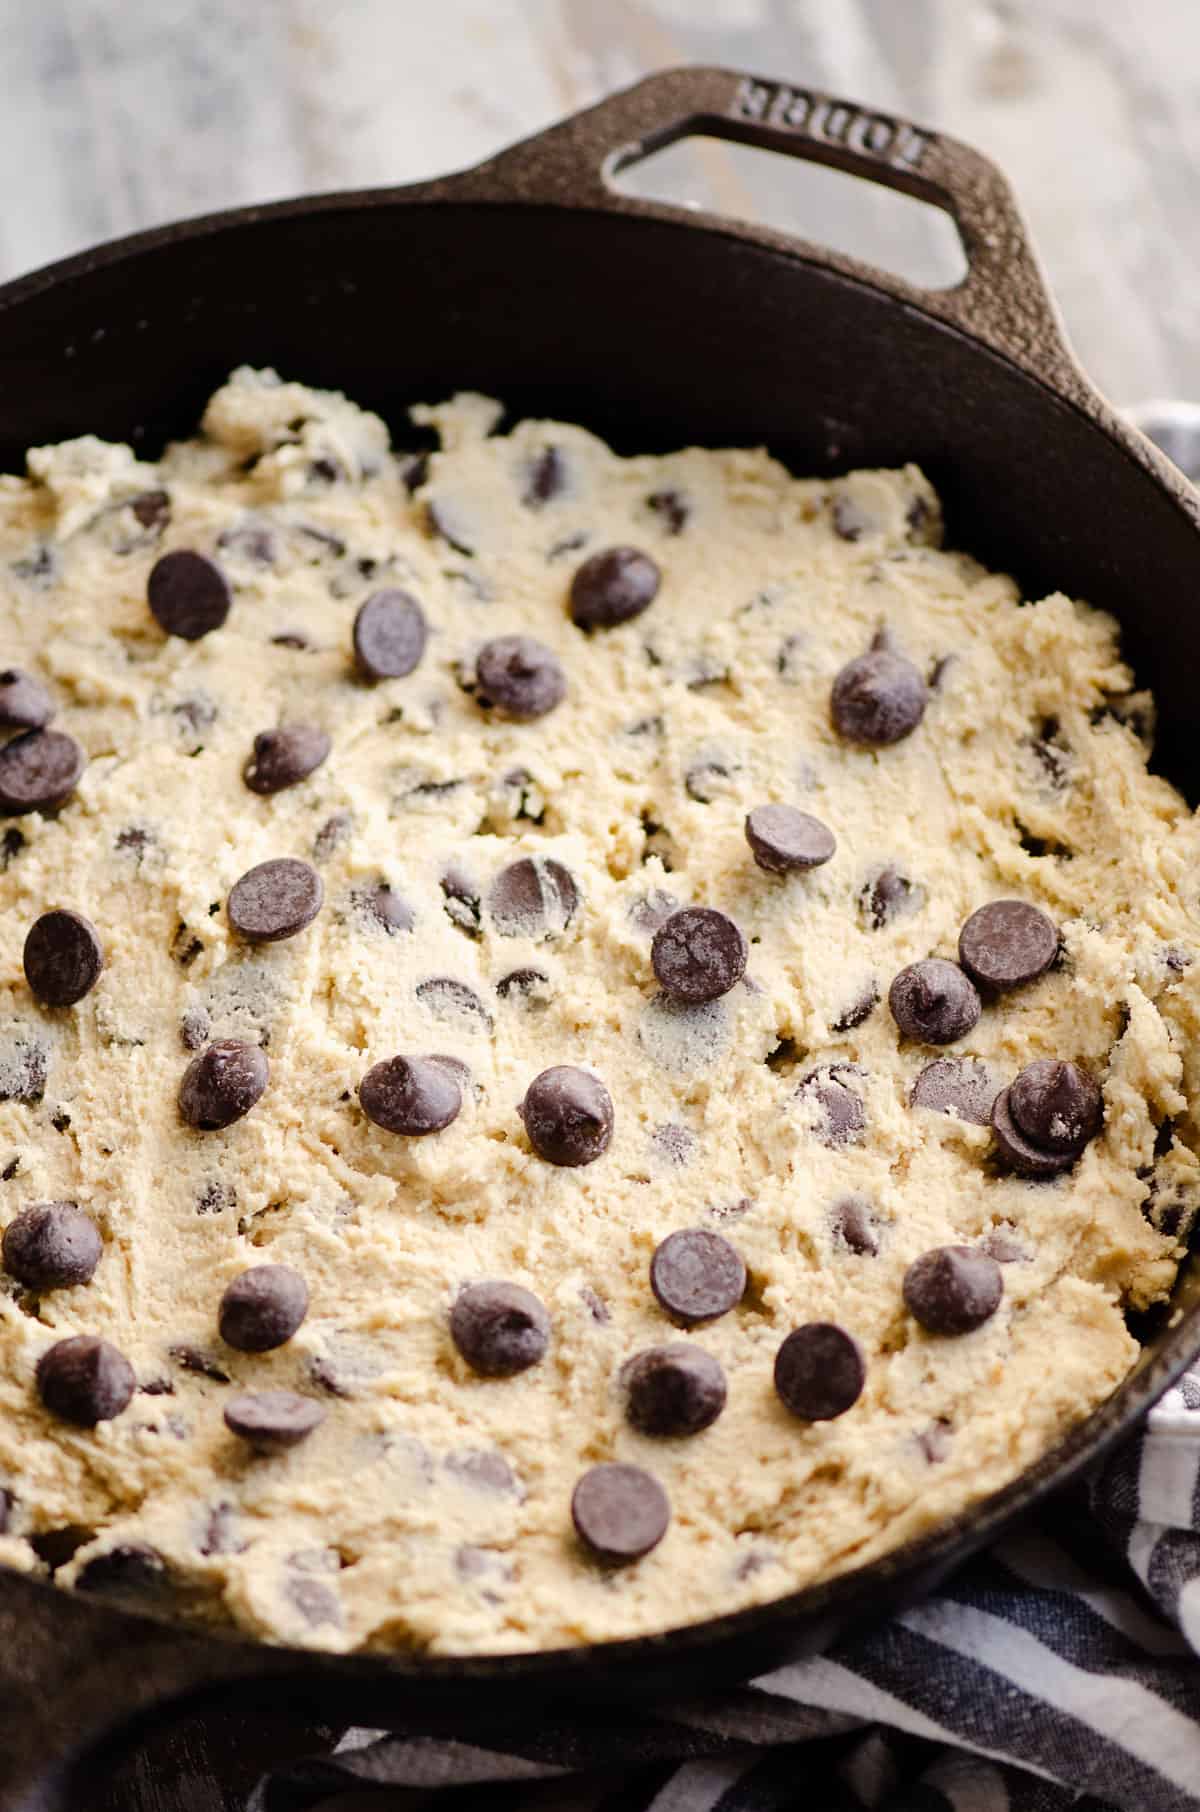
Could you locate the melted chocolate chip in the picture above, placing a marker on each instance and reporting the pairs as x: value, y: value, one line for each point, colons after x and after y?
x: 390, y: 633
x: 619, y: 1512
x: 188, y: 594
x: 673, y: 1390
x: 499, y: 1328
x: 697, y: 1275
x: 568, y: 1115
x: 842, y: 1117
x: 262, y: 1308
x: 410, y: 1095
x: 933, y: 1002
x: 612, y: 587
x: 51, y: 1246
x: 62, y: 958
x: 222, y: 1084
x: 953, y: 1289
x: 519, y: 677
x: 85, y: 1380
x: 25, y: 703
x: 38, y: 771
x: 534, y: 897
x: 958, y: 1085
x: 1056, y: 1106
x: 1007, y: 943
x: 878, y: 699
x: 275, y: 900
x: 698, y: 955
x: 783, y: 839
x: 285, y: 756
x: 855, y: 1226
x: 819, y: 1372
x: 273, y: 1420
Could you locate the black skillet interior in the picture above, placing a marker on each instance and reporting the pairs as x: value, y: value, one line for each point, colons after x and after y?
x: 529, y: 281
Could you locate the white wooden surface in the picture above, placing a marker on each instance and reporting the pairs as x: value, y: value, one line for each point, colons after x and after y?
x: 116, y: 114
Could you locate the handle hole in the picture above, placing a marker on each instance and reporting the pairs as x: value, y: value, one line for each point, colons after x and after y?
x: 850, y: 214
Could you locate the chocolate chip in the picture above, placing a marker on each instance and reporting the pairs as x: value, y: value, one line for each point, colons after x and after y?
x: 221, y: 1533
x: 38, y: 771
x: 51, y: 1246
x: 250, y: 540
x: 25, y: 703
x: 499, y: 1328
x: 534, y: 897
x: 953, y: 1289
x: 39, y: 568
x: 530, y: 985
x: 275, y: 900
x: 1007, y: 943
x: 612, y: 587
x: 202, y: 1364
x: 783, y: 839
x: 959, y: 1085
x: 842, y: 1116
x: 520, y: 677
x: 85, y: 1380
x: 673, y: 1390
x: 672, y: 508
x: 273, y: 1420
x: 933, y: 1002
x: 483, y: 1470
x: 547, y: 478
x: 381, y: 906
x: 935, y: 1440
x: 452, y: 1002
x: 410, y: 1095
x: 858, y: 1011
x: 676, y: 1144
x: 698, y: 955
x: 1056, y: 1106
x: 333, y: 835
x: 855, y: 1226
x: 464, y: 904
x: 452, y: 523
x: 653, y: 909
x: 706, y: 781
x: 262, y: 1308
x: 1020, y: 1152
x: 11, y: 845
x: 1000, y: 1245
x: 889, y: 895
x: 390, y: 633
x: 568, y: 1115
x: 188, y: 594
x: 878, y: 699
x: 23, y: 1069
x: 222, y: 1084
x: 151, y: 508
x: 131, y: 1574
x: 62, y: 958
x: 697, y: 1275
x: 284, y: 756
x: 819, y: 1371
x: 619, y: 1512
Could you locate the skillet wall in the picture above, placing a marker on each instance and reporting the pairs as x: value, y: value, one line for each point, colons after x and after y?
x: 651, y: 332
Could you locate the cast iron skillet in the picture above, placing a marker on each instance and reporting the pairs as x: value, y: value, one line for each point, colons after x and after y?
x: 530, y: 278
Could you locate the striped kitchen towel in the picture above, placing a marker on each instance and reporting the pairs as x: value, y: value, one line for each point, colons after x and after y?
x: 1058, y: 1670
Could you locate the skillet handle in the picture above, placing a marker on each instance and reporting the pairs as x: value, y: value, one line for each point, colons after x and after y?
x: 1003, y: 299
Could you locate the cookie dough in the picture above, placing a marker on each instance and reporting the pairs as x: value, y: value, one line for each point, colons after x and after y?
x: 470, y: 865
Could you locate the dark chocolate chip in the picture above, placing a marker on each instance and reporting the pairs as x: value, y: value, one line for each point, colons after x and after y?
x: 380, y: 905
x: 705, y: 781
x: 275, y: 900
x: 85, y: 1380
x: 935, y: 1441
x: 531, y: 985
x: 1020, y: 1153
x: 612, y: 587
x: 188, y: 594
x: 889, y: 895
x: 519, y: 677
x: 819, y: 1371
x: 333, y: 835
x: 483, y: 1470
x: 452, y: 523
x: 25, y: 703
x: 619, y: 1512
x: 568, y: 1115
x: 958, y: 1085
x: 203, y: 1365
x: 62, y: 958
x: 11, y: 845
x: 850, y: 521
x: 953, y: 1289
x: 698, y: 954
x: 534, y: 897
x: 221, y: 1533
x: 546, y: 478
x: 1007, y: 943
x: 673, y: 1390
x: 672, y: 509
x: 51, y: 1246
x: 464, y: 903
x: 222, y: 1084
x: 878, y: 699
x: 152, y: 509
x: 653, y: 909
x: 1000, y: 1245
x: 858, y: 1011
x: 262, y: 1308
x: 184, y: 947
x: 783, y: 839
x: 38, y: 771
x: 697, y: 1275
x: 933, y: 1002
x: 452, y: 1002
x: 250, y: 540
x: 131, y: 1573
x: 273, y: 1420
x: 1056, y: 1106
x: 284, y: 756
x: 843, y: 1117
x: 855, y: 1226
x: 390, y: 633
x: 499, y: 1328
x: 410, y: 1095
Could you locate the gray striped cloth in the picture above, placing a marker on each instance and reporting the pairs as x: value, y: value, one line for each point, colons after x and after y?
x: 1058, y: 1670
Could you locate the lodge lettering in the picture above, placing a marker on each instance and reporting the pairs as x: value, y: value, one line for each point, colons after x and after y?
x: 830, y: 122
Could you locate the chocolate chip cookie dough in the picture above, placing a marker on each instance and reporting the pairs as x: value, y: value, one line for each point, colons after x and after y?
x: 583, y: 1041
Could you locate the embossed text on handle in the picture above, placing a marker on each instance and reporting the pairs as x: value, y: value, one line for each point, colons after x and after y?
x: 830, y: 122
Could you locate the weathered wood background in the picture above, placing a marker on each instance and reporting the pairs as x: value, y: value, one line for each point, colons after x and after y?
x: 117, y: 114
